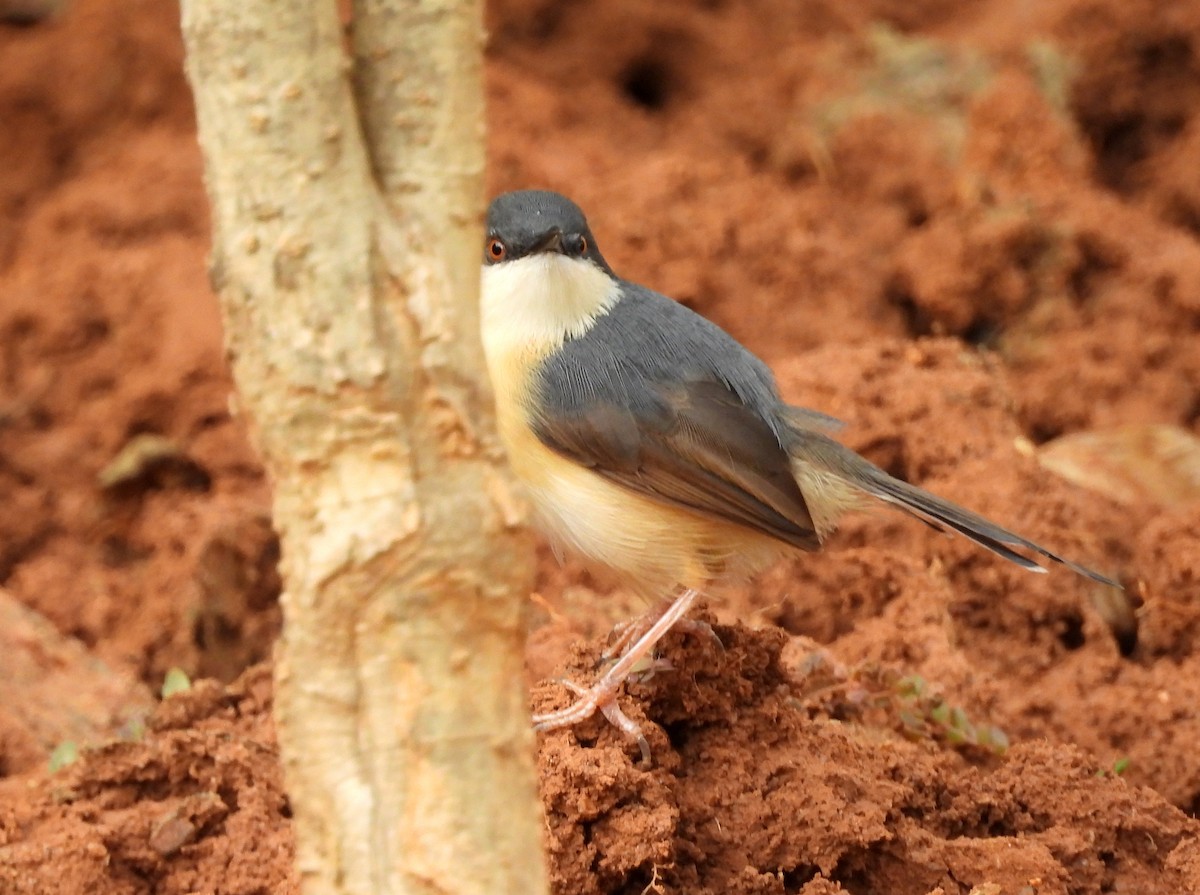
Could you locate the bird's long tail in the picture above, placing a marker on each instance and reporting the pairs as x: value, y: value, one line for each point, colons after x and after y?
x: 828, y: 459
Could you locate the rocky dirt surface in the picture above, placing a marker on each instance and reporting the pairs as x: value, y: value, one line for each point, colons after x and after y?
x: 969, y: 230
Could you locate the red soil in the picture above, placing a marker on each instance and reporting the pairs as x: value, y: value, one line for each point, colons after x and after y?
x: 965, y: 233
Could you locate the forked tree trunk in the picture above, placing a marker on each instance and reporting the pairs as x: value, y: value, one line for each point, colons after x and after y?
x: 347, y: 197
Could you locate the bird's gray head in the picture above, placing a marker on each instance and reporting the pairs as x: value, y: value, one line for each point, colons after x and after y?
x: 544, y: 280
x: 530, y: 222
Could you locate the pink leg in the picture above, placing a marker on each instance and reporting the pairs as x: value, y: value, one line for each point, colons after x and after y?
x: 631, y: 630
x: 602, y: 694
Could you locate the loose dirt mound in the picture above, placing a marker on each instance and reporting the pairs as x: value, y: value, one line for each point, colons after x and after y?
x: 966, y: 229
x: 197, y: 805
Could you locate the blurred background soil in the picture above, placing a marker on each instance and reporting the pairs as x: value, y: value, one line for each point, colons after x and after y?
x: 972, y: 231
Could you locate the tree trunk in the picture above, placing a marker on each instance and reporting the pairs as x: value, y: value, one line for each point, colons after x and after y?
x: 347, y: 200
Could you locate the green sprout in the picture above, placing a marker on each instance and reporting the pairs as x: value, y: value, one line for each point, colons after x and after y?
x: 905, y: 703
x: 176, y: 681
x: 1119, y: 767
x: 65, y: 753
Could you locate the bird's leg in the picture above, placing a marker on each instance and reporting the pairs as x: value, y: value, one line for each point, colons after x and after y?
x: 602, y: 695
x: 629, y: 631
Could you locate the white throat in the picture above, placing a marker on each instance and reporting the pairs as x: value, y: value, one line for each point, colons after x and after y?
x: 531, y: 305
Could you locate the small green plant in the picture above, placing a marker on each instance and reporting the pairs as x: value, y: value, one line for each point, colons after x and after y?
x: 176, y: 681
x: 65, y: 753
x: 1119, y: 767
x: 924, y: 715
x: 883, y: 697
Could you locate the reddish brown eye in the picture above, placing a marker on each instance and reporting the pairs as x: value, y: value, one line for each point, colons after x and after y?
x: 583, y: 245
x: 496, y: 250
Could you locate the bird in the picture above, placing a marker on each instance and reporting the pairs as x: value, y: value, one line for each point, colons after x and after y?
x: 653, y: 444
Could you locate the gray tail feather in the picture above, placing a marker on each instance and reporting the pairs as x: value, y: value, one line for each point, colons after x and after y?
x: 817, y: 449
x: 937, y: 512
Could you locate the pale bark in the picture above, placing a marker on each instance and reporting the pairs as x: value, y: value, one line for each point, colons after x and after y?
x: 347, y: 200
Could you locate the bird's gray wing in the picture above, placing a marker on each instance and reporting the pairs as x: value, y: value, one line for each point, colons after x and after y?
x: 692, y: 444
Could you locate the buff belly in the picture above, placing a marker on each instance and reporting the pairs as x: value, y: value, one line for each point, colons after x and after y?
x: 653, y: 546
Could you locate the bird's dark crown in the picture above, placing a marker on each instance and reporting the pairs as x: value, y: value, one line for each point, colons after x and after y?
x: 527, y: 221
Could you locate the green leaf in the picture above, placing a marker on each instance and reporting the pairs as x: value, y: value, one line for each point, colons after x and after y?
x: 64, y: 754
x: 940, y: 714
x: 911, y: 685
x: 176, y: 681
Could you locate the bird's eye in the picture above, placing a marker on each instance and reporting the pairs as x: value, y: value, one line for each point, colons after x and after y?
x: 583, y: 244
x: 495, y: 250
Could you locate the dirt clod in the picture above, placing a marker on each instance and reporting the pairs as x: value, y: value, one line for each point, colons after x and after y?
x: 966, y: 229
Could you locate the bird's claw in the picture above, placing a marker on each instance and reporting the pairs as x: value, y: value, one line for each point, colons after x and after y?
x: 602, y: 695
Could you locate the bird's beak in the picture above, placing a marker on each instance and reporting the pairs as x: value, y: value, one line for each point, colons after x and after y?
x: 551, y: 242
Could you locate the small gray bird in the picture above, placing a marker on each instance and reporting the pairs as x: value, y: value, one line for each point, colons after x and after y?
x: 653, y: 443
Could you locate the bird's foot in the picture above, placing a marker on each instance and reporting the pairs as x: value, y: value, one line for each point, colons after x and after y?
x: 602, y: 695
